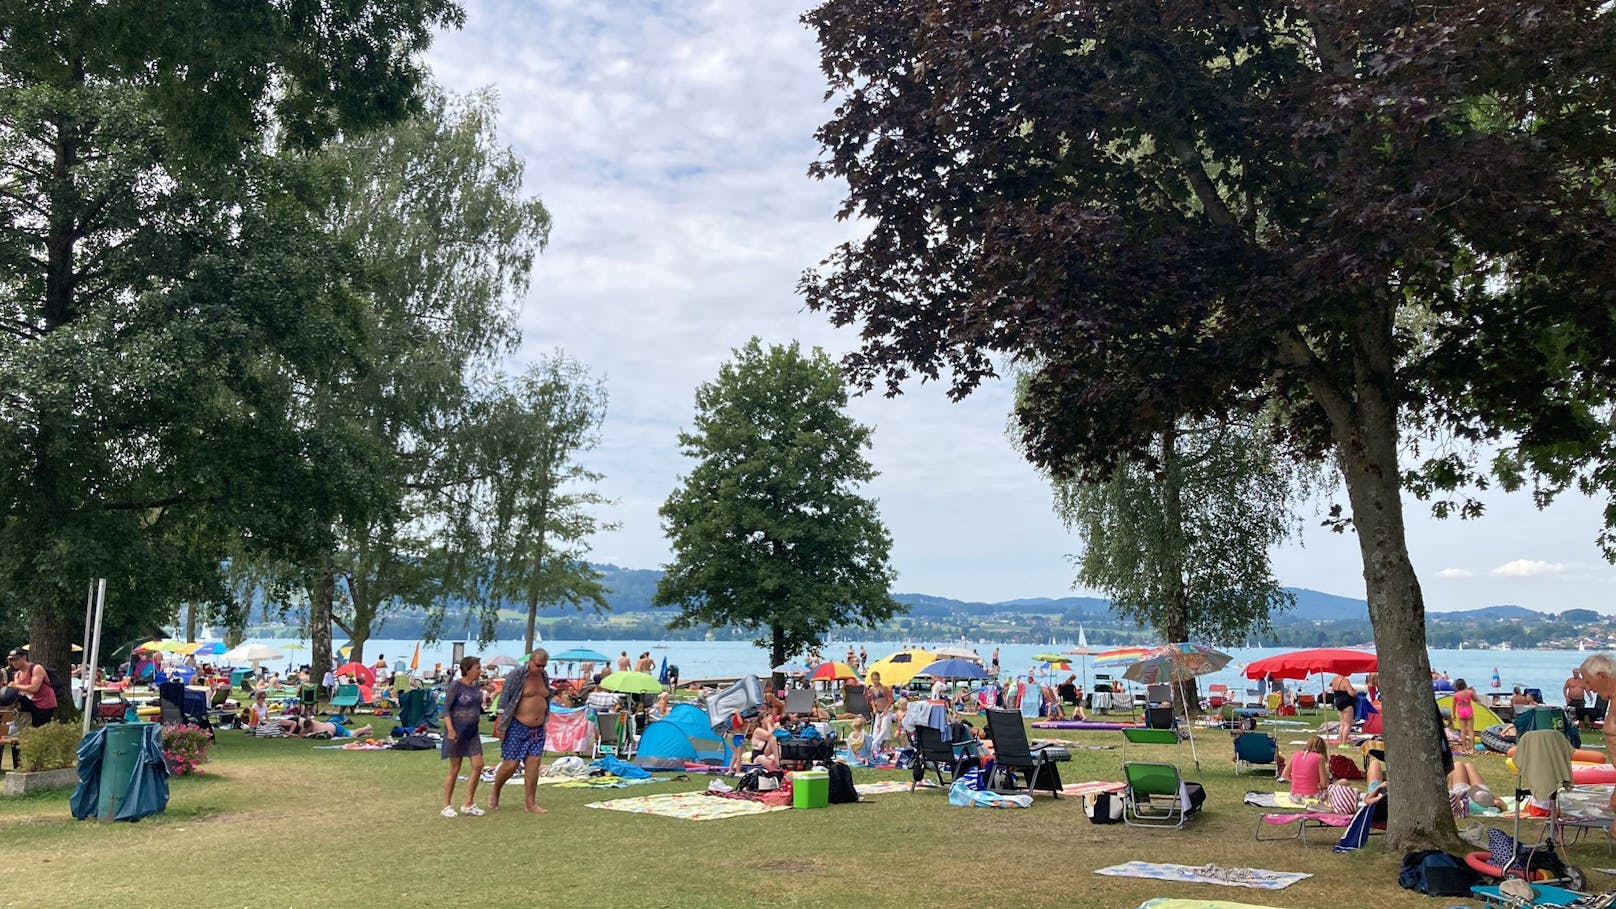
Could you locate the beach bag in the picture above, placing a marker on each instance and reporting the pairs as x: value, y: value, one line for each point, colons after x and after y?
x: 1436, y: 873
x: 1103, y: 808
x: 842, y: 791
x: 759, y: 781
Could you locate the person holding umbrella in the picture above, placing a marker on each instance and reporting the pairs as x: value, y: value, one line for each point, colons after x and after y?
x: 462, y: 714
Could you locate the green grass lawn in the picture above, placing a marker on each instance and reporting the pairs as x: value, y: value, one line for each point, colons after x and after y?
x: 278, y: 823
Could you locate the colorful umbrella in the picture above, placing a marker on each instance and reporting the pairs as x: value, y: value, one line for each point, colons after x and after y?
x: 784, y: 668
x: 1121, y: 656
x: 580, y: 655
x: 162, y: 646
x: 1051, y: 658
x: 953, y: 669
x: 1176, y: 663
x: 359, y: 670
x: 415, y: 661
x: 212, y: 648
x: 1303, y: 663
x: 187, y: 647
x: 833, y: 672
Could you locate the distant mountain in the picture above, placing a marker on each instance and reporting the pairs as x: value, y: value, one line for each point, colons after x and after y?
x: 1495, y: 613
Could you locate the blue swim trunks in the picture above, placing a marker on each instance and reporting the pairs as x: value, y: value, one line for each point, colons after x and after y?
x: 522, y: 742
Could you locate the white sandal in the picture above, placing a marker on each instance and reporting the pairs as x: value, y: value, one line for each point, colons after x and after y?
x: 448, y: 811
x: 472, y: 810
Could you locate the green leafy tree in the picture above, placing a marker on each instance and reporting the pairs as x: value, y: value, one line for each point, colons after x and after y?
x: 769, y: 533
x: 1180, y: 540
x: 527, y: 526
x: 434, y: 209
x: 166, y: 302
x: 1387, y: 220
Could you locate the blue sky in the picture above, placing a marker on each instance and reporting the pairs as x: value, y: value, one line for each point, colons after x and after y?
x: 670, y: 143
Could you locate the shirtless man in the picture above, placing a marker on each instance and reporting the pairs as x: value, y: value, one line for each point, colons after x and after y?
x: 1576, y: 697
x: 1598, y: 672
x: 523, y: 708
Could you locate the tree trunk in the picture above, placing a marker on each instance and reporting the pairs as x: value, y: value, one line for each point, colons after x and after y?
x: 320, y: 625
x: 49, y: 638
x: 777, y: 655
x: 1366, y: 439
x: 1177, y: 627
x: 538, y: 571
x: 190, y: 622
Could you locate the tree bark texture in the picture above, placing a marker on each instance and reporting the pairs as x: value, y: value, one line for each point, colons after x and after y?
x: 320, y: 625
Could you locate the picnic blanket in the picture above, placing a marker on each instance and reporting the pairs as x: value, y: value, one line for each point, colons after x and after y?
x: 1255, y: 878
x: 882, y: 787
x: 1279, y: 800
x: 1092, y: 787
x: 1169, y: 903
x: 688, y: 806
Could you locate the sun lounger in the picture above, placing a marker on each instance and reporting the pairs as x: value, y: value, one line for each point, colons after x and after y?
x: 1304, y: 821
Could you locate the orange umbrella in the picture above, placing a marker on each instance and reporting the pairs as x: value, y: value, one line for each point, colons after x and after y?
x: 415, y: 661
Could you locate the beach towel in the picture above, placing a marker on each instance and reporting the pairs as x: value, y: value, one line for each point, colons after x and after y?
x: 568, y: 730
x: 1254, y: 878
x: 608, y: 781
x: 1278, y: 800
x: 688, y: 806
x: 883, y: 787
x: 1092, y: 787
x: 1172, y: 903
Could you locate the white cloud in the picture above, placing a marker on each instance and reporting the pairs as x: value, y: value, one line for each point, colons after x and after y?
x: 1527, y: 568
x: 1456, y: 573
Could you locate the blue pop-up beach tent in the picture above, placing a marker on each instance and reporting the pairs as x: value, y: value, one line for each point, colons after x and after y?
x: 683, y: 735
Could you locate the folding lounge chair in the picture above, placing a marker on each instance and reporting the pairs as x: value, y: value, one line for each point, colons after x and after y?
x: 308, y: 697
x: 800, y: 702
x: 346, y: 698
x: 1217, y: 696
x: 939, y: 756
x: 1307, y: 703
x: 1252, y: 749
x: 856, y: 701
x: 1155, y: 796
x: 1013, y: 754
x: 1304, y: 821
x: 609, y: 734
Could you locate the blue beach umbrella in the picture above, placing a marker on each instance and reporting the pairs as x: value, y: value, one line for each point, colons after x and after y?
x: 954, y: 669
x: 663, y: 677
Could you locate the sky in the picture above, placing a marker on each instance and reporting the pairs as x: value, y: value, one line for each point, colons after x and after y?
x: 670, y: 142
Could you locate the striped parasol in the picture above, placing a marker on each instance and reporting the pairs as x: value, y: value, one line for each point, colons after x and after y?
x: 1176, y: 663
x: 1122, y: 656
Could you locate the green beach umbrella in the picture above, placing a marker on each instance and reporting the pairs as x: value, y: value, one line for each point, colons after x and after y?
x: 631, y: 683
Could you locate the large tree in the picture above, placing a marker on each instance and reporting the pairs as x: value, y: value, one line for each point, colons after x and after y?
x: 165, y: 300
x: 435, y: 211
x: 769, y: 532
x: 527, y: 524
x: 1377, y: 216
x: 1179, y: 538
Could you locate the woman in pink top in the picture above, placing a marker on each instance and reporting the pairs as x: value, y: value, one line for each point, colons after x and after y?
x: 1309, y: 770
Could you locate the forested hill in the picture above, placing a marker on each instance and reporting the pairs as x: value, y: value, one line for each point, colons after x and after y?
x: 1318, y: 619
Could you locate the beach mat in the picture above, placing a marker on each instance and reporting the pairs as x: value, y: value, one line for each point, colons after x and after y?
x: 1083, y: 724
x: 1174, y: 903
x: 1077, y: 790
x: 688, y: 806
x: 884, y: 787
x: 1254, y: 878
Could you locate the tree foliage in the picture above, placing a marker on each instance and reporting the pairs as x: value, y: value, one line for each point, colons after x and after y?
x: 769, y: 533
x: 166, y: 299
x: 1377, y: 216
x: 1181, y: 543
x: 526, y: 524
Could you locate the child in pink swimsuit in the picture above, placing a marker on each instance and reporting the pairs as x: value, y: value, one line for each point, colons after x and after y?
x: 1464, y: 715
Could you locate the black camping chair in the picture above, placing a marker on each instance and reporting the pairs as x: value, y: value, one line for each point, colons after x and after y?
x: 800, y: 702
x: 856, y: 702
x: 1013, y: 754
x: 939, y: 755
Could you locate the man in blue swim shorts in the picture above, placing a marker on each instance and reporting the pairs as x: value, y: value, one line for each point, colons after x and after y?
x: 524, y: 706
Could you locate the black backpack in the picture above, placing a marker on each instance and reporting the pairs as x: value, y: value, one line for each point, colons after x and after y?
x: 841, y: 783
x: 1436, y: 873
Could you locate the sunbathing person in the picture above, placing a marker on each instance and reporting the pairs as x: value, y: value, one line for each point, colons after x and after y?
x: 306, y: 728
x: 1468, y: 792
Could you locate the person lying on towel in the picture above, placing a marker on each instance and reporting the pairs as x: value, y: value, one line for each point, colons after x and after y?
x: 310, y: 728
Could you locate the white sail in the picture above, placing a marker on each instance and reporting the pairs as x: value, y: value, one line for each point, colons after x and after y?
x: 1082, y: 639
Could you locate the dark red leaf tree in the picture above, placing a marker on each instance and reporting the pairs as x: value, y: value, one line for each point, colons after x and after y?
x: 1390, y: 220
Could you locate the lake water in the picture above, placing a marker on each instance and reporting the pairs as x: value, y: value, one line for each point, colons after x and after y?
x: 1545, y: 669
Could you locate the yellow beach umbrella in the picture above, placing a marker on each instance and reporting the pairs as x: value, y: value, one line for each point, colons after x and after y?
x: 76, y: 648
x: 900, y: 667
x: 164, y: 646
x: 187, y: 647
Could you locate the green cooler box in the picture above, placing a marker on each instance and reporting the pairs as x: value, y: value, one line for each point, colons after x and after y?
x: 810, y: 788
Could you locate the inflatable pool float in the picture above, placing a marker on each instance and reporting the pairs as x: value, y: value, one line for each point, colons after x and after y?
x: 1579, y: 756
x: 1082, y: 724
x: 1493, y: 738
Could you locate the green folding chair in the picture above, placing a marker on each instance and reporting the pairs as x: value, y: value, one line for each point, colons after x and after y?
x: 346, y: 698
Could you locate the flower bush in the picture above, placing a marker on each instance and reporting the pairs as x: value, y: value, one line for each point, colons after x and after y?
x: 185, y: 745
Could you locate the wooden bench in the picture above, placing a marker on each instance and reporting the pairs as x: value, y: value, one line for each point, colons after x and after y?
x: 8, y: 715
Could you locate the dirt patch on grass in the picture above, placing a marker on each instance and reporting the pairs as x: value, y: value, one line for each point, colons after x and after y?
x: 789, y: 866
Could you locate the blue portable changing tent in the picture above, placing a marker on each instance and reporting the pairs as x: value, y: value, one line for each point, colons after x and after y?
x: 683, y: 735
